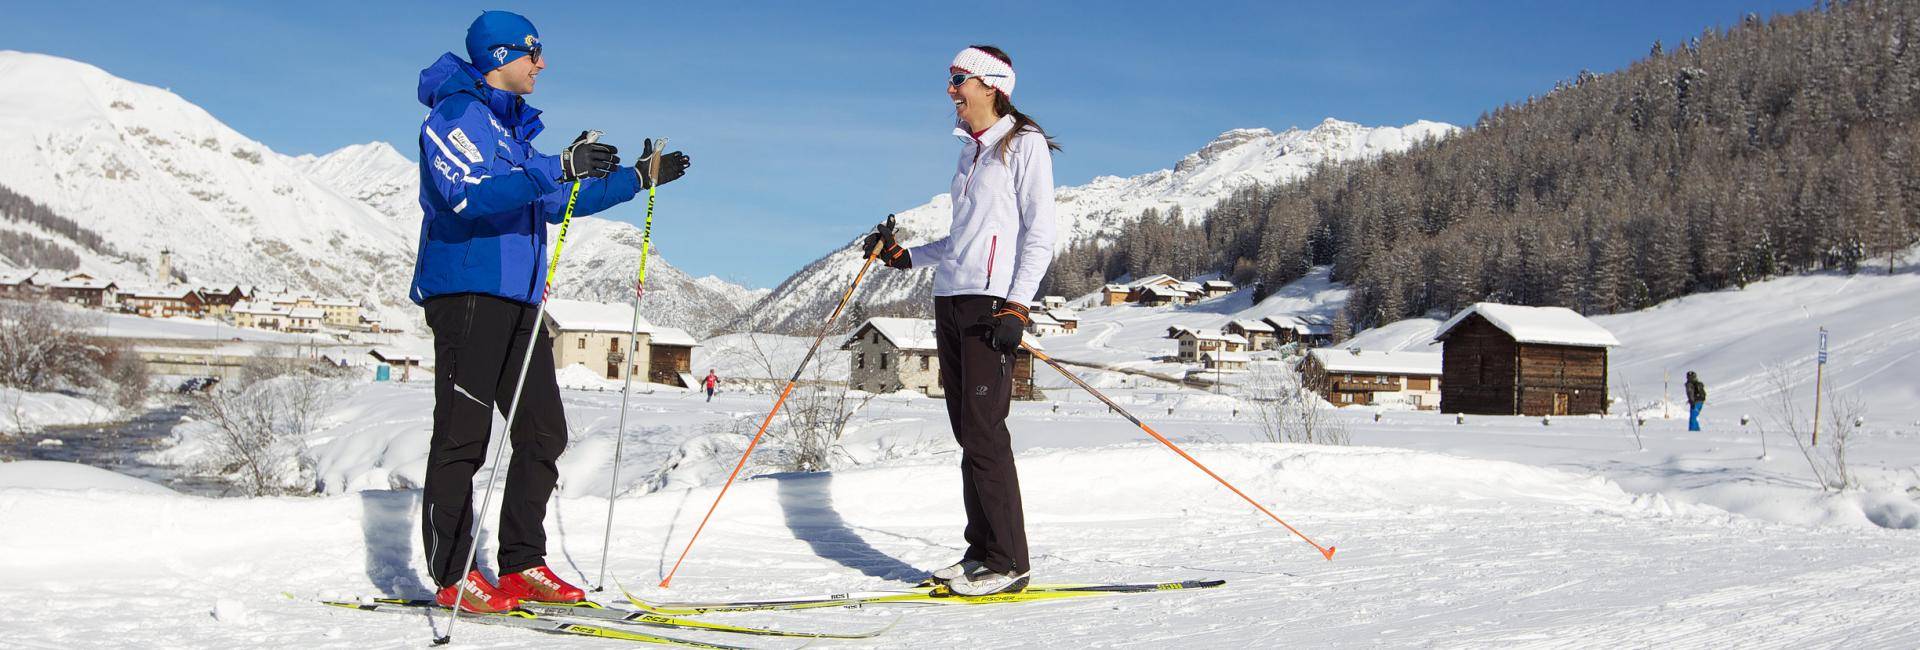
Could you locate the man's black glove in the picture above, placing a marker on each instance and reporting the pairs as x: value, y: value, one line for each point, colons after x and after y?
x: 586, y: 158
x: 672, y: 166
x: 891, y: 253
x: 1004, y: 328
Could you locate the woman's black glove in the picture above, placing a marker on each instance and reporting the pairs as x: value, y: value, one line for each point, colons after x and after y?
x: 1005, y: 328
x: 891, y: 253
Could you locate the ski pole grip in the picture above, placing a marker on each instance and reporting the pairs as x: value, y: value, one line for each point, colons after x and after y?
x: 653, y: 162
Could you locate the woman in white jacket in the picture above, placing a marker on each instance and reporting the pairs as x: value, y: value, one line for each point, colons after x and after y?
x: 986, y: 271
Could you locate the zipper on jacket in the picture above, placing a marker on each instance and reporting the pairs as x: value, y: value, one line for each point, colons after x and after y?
x: 993, y: 246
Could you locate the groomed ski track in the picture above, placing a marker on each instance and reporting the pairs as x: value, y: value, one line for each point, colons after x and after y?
x: 1434, y: 550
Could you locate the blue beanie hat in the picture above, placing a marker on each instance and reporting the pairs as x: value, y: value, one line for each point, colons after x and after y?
x: 497, y: 37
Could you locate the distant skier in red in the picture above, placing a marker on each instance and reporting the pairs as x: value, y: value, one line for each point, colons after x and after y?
x: 711, y: 383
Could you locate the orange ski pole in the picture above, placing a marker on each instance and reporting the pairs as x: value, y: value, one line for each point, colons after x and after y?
x: 1325, y: 551
x: 667, y: 581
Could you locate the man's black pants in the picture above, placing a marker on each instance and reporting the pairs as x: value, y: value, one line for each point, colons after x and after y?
x: 479, y: 343
x: 979, y: 386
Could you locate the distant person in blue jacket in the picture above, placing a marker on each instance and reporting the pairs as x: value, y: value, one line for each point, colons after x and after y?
x: 488, y: 197
x: 1696, y: 400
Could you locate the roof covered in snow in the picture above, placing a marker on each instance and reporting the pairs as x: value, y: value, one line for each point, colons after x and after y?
x: 911, y: 333
x: 1063, y: 314
x: 903, y: 333
x: 1210, y: 335
x: 1546, y: 325
x: 1252, y: 325
x: 1377, y: 362
x: 1309, y: 324
x: 672, y: 336
x: 584, y: 316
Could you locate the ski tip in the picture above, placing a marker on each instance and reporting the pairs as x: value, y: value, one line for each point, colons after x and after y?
x: 1329, y: 552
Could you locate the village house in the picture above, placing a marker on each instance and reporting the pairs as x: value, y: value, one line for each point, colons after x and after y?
x: 1346, y: 377
x: 1216, y: 288
x: 1114, y: 294
x: 670, y: 357
x: 1196, y: 342
x: 1259, y: 334
x: 304, y: 319
x: 1044, y: 324
x: 1227, y: 361
x: 218, y: 301
x: 165, y: 302
x: 339, y: 312
x: 1053, y: 302
x: 1514, y: 360
x: 86, y: 290
x: 20, y: 284
x: 1301, y: 330
x: 260, y: 315
x: 1069, y: 319
x: 1156, y: 296
x: 597, y: 335
x: 890, y: 354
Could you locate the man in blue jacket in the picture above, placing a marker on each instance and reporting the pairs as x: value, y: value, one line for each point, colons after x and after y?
x: 488, y: 197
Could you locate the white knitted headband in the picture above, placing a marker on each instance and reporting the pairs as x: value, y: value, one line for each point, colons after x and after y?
x: 977, y: 61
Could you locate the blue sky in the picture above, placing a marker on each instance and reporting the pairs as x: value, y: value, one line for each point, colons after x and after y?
x: 808, y: 122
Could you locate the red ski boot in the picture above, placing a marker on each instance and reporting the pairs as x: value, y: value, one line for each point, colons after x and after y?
x: 479, y: 597
x: 539, y: 584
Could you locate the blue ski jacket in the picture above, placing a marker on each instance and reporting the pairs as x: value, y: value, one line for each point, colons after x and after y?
x: 486, y: 194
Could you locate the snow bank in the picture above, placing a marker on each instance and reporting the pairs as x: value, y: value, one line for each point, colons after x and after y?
x: 52, y: 475
x: 27, y: 411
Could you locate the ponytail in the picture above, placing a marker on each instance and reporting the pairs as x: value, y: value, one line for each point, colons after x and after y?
x: 1003, y: 106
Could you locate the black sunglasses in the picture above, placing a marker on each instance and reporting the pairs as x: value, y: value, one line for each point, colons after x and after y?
x: 960, y: 78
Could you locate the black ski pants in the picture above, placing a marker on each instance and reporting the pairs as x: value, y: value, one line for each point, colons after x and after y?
x: 979, y: 386
x: 479, y: 342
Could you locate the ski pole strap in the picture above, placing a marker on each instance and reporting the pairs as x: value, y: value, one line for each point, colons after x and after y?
x: 1016, y: 310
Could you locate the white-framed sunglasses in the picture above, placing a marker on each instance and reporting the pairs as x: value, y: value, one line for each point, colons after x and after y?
x: 960, y: 78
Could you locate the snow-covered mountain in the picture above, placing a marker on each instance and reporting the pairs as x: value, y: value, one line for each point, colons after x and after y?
x: 373, y: 173
x: 147, y: 170
x: 602, y: 258
x: 599, y: 262
x: 1233, y: 160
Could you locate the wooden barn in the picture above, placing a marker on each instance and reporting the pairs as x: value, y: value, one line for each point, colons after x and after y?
x: 1511, y: 360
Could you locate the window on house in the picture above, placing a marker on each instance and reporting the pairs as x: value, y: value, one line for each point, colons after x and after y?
x: 926, y: 362
x: 860, y: 361
x: 883, y: 361
x: 580, y: 343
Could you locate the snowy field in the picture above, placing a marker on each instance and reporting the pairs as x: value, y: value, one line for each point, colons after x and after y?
x: 1492, y: 532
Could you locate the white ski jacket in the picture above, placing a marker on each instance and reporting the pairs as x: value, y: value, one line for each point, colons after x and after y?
x: 1001, y: 241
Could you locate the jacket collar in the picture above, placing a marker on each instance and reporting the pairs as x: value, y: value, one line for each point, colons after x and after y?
x: 991, y: 137
x: 451, y: 75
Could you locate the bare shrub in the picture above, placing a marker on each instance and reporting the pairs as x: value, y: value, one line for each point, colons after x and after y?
x: 1828, y: 461
x: 260, y: 429
x: 1287, y: 410
x: 45, y: 347
x: 805, y: 435
x: 1633, y: 413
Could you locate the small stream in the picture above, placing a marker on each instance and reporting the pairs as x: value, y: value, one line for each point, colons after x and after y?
x: 117, y: 446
